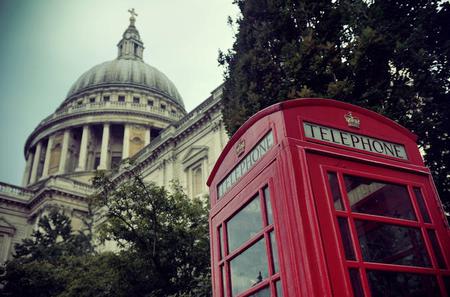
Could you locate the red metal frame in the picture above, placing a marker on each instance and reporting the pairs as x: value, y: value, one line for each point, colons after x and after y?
x: 311, y: 255
x: 323, y: 164
x: 264, y: 233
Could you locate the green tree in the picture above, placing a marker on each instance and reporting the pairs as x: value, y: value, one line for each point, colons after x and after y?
x: 389, y: 56
x: 53, y: 239
x: 94, y: 275
x: 163, y: 238
x: 163, y: 235
x: 39, y: 260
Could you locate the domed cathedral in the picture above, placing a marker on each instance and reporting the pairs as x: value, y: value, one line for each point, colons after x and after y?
x: 110, y: 113
x: 116, y: 110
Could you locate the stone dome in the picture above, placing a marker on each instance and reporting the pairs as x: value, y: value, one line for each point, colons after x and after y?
x: 111, y: 112
x: 126, y: 72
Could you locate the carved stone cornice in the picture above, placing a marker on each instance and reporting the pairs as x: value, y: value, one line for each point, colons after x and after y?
x: 48, y: 188
x: 216, y: 125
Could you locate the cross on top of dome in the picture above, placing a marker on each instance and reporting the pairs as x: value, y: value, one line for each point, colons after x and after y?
x: 132, y: 17
x: 131, y: 46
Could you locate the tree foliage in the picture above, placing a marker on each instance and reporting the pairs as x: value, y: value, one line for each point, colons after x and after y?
x: 163, y: 241
x: 52, y: 240
x: 40, y: 261
x: 388, y: 56
x: 163, y: 233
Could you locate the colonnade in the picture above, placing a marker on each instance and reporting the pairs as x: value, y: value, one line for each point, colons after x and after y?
x: 40, y: 164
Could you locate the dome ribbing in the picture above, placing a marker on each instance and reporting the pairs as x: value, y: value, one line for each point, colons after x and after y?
x: 126, y: 72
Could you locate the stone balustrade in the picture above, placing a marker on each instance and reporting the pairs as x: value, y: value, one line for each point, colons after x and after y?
x: 24, y: 195
x: 65, y: 184
x: 16, y: 192
x: 108, y: 106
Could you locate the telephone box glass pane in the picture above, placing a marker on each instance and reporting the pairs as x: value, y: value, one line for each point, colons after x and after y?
x: 249, y: 268
x: 423, y: 209
x: 273, y: 243
x: 378, y: 198
x: 224, y: 281
x: 346, y: 239
x: 391, y: 244
x: 243, y: 225
x: 279, y: 289
x: 355, y: 279
x: 221, y: 249
x: 334, y: 185
x: 437, y: 249
x: 446, y: 279
x: 261, y: 293
x: 394, y: 284
x: 268, y: 205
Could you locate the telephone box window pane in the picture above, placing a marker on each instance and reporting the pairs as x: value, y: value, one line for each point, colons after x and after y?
x: 437, y: 249
x: 243, y: 225
x: 423, y: 209
x: 261, y: 293
x: 394, y: 284
x: 378, y: 198
x: 334, y: 185
x: 273, y: 243
x: 268, y: 205
x: 355, y: 279
x: 224, y: 281
x: 346, y: 239
x: 447, y: 283
x: 221, y: 249
x: 249, y: 268
x: 391, y: 244
x: 279, y: 289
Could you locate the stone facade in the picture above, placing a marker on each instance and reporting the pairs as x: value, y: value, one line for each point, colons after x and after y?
x: 117, y: 110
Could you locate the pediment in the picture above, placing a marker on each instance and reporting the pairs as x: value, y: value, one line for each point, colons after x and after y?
x: 6, y: 227
x: 194, y: 154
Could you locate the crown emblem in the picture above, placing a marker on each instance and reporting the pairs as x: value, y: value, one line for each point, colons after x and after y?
x: 240, y: 147
x: 352, y: 121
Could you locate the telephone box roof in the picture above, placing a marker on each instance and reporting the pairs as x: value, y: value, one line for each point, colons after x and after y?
x: 285, y: 105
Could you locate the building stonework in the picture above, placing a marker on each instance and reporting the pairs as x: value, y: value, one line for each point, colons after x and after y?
x: 117, y: 110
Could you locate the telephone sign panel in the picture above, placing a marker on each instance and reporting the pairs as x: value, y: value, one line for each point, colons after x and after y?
x: 316, y: 197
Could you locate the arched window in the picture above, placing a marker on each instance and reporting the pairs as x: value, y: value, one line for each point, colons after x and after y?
x: 197, y: 181
x: 136, y: 144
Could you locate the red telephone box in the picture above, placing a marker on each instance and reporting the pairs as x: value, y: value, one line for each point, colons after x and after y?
x: 316, y: 197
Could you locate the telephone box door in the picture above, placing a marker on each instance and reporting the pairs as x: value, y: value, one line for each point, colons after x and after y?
x: 248, y: 263
x: 381, y: 228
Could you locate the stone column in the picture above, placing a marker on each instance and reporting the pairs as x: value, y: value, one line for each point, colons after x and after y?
x: 220, y: 133
x: 205, y: 169
x: 83, y: 149
x: 5, y: 247
x: 26, y: 174
x: 168, y: 170
x: 105, y: 145
x: 37, y: 155
x: 47, y: 157
x: 126, y: 142
x: 64, y: 151
x: 147, y: 136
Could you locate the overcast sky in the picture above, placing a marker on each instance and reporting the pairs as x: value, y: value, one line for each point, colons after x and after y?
x: 46, y: 45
